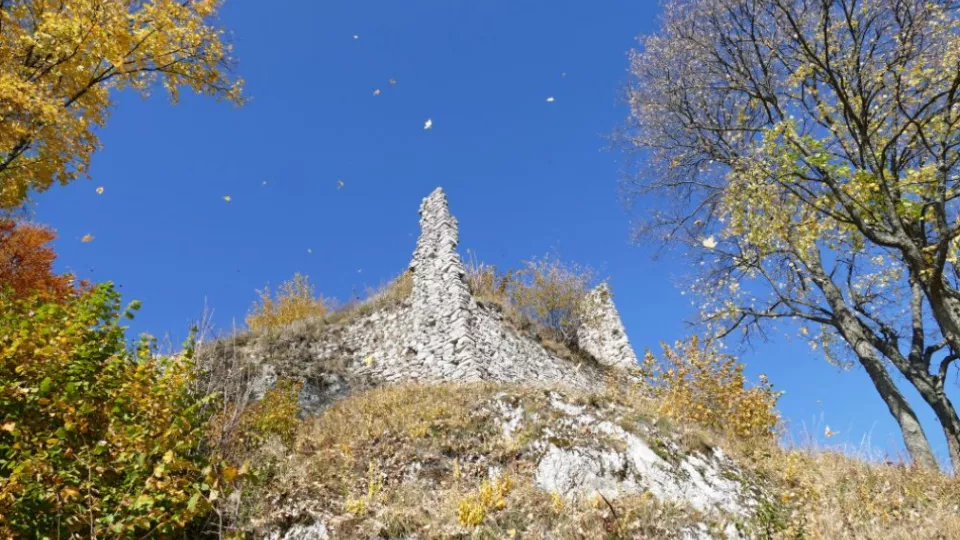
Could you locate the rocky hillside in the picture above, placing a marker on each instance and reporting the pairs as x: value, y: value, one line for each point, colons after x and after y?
x: 430, y: 412
x: 497, y: 461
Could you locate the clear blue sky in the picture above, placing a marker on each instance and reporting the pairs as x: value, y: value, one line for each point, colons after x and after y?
x: 524, y: 176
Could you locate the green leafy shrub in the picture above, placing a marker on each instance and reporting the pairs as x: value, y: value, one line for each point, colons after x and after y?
x: 95, y: 439
x: 239, y: 429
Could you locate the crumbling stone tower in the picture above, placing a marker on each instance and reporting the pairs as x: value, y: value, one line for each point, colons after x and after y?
x: 457, y: 338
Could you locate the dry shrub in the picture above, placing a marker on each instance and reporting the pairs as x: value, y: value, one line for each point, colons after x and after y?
x: 552, y: 293
x: 546, y: 292
x: 485, y: 283
x: 294, y: 301
x: 240, y: 428
x: 696, y: 383
x: 250, y: 440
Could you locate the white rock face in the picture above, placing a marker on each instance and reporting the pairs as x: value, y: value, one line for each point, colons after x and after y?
x: 314, y: 531
x: 582, y: 471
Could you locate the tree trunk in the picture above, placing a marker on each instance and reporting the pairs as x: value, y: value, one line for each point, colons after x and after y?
x: 946, y: 312
x: 946, y: 414
x: 914, y: 438
x: 850, y: 329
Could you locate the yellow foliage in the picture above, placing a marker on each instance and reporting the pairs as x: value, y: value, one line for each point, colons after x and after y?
x: 238, y: 430
x: 95, y: 437
x: 361, y: 504
x: 59, y: 62
x: 698, y: 384
x: 491, y: 497
x: 295, y: 301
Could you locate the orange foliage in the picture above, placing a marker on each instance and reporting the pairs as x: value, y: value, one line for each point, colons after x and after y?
x: 26, y: 261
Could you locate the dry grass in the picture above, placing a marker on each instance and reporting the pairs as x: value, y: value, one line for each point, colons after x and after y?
x: 408, y: 459
x: 388, y: 295
x: 830, y: 494
x: 403, y: 460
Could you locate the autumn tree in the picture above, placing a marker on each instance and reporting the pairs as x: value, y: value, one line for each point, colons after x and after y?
x: 26, y: 261
x: 60, y: 62
x: 807, y: 154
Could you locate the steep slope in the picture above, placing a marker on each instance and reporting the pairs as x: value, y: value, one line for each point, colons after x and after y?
x: 428, y: 413
x: 442, y: 461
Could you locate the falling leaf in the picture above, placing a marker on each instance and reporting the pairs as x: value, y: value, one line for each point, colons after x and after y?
x: 100, y: 190
x: 829, y: 432
x: 428, y: 124
x: 376, y: 92
x: 392, y: 81
x: 226, y: 198
x: 87, y: 238
x: 356, y: 36
x: 309, y: 250
x: 340, y: 184
x: 563, y: 75
x: 710, y: 243
x: 550, y: 99
x: 263, y: 183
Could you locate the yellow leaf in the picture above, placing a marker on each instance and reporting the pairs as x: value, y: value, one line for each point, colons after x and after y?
x: 168, y: 457
x: 8, y: 426
x: 87, y: 238
x: 226, y: 198
x: 100, y: 190
x: 230, y: 473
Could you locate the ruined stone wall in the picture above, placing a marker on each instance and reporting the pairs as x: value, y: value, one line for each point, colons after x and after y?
x: 440, y: 333
x: 602, y: 334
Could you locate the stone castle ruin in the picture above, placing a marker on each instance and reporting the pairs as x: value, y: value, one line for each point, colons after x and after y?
x: 439, y: 333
